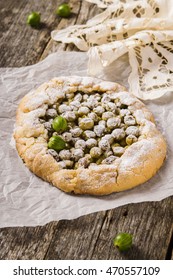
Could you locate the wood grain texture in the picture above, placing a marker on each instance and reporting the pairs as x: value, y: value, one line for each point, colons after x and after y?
x: 20, y: 44
x: 90, y: 236
x: 26, y: 243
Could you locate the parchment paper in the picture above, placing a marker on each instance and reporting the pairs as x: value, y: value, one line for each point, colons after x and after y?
x: 26, y: 200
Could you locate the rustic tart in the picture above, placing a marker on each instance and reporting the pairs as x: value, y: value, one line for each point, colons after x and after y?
x: 88, y: 136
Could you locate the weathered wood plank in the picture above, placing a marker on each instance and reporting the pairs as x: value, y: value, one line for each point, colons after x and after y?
x: 82, y: 11
x: 150, y: 224
x: 25, y: 243
x: 20, y: 44
x: 53, y: 46
x: 91, y: 237
x: 88, y: 237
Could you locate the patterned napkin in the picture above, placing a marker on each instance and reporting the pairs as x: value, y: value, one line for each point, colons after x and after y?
x: 141, y: 28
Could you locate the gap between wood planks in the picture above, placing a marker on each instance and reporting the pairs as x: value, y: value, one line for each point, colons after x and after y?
x: 62, y: 24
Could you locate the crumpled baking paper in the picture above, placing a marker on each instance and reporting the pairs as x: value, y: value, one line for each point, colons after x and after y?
x: 25, y: 199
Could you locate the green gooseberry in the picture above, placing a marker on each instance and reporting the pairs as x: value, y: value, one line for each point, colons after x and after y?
x: 59, y: 124
x: 123, y: 241
x: 56, y: 143
x: 33, y: 19
x: 64, y: 10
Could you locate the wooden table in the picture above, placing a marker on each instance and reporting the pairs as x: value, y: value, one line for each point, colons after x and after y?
x: 88, y: 237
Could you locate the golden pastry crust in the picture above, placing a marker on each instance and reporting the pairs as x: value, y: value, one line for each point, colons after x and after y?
x: 139, y: 163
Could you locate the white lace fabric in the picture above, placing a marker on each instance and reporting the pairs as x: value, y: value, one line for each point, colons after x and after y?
x: 143, y: 29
